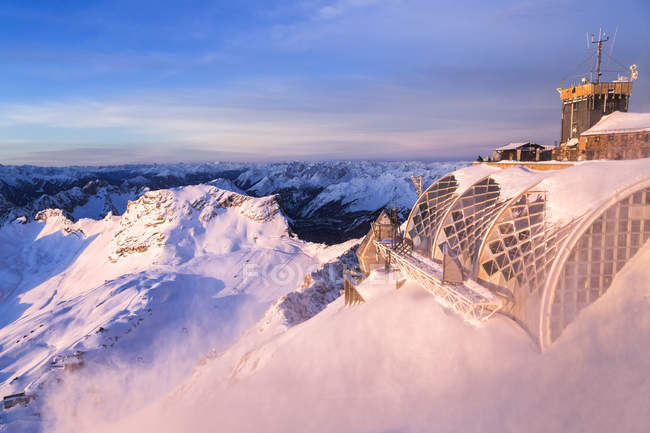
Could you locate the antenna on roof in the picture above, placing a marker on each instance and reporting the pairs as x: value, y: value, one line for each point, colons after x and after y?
x: 602, y: 37
x: 611, y: 48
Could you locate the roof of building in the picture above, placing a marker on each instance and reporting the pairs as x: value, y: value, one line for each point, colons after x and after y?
x: 620, y: 122
x: 513, y: 146
x: 572, y: 142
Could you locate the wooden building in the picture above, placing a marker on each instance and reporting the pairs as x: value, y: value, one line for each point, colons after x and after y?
x: 525, y: 151
x: 584, y: 105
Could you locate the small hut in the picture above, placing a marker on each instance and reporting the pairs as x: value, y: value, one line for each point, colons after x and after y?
x: 524, y: 151
x: 382, y: 229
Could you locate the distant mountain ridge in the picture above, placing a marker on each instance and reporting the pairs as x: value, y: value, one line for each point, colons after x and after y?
x: 327, y: 201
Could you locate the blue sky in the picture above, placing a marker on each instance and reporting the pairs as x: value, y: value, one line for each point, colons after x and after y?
x: 99, y: 82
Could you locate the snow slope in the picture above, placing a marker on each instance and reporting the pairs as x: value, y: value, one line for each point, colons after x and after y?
x: 401, y: 363
x: 182, y: 272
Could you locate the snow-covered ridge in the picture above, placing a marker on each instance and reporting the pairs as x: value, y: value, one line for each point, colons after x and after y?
x: 148, y: 220
x: 326, y: 201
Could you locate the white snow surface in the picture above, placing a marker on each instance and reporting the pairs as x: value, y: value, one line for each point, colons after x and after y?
x: 572, y: 192
x: 401, y: 363
x: 512, y: 146
x: 182, y: 272
x: 620, y: 122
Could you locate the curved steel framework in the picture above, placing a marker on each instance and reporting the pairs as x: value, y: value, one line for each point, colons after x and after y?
x: 429, y: 209
x: 517, y: 253
x: 467, y: 220
x: 593, y: 255
x: 545, y: 273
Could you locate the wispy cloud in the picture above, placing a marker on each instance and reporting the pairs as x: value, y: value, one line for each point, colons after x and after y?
x: 271, y: 119
x: 340, y: 7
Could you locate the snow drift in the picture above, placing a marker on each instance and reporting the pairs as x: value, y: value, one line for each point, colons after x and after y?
x: 401, y: 363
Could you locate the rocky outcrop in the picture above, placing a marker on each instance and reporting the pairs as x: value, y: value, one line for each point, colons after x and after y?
x: 141, y: 225
x: 256, y: 209
x: 148, y: 220
x: 321, y: 287
x: 60, y: 218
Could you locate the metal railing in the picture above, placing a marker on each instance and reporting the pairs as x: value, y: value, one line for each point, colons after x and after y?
x: 471, y: 305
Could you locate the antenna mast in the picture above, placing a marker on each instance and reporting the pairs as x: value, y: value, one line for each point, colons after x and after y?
x: 599, y: 50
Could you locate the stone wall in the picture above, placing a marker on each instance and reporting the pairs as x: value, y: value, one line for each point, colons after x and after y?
x: 615, y: 146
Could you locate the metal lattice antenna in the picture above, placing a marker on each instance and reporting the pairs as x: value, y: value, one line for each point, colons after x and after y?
x: 599, y: 50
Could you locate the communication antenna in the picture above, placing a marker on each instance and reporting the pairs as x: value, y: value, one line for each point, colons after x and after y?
x: 611, y: 48
x: 599, y: 50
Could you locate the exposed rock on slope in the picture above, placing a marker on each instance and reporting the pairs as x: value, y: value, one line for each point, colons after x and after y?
x: 148, y: 220
x: 320, y: 288
x: 141, y: 225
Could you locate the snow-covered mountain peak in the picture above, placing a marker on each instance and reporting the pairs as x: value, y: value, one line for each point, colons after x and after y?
x: 52, y: 214
x: 263, y: 209
x: 57, y: 220
x: 326, y: 201
x: 181, y: 217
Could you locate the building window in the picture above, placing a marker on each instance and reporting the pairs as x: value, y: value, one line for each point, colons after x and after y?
x: 433, y: 204
x: 597, y: 257
x: 468, y: 221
